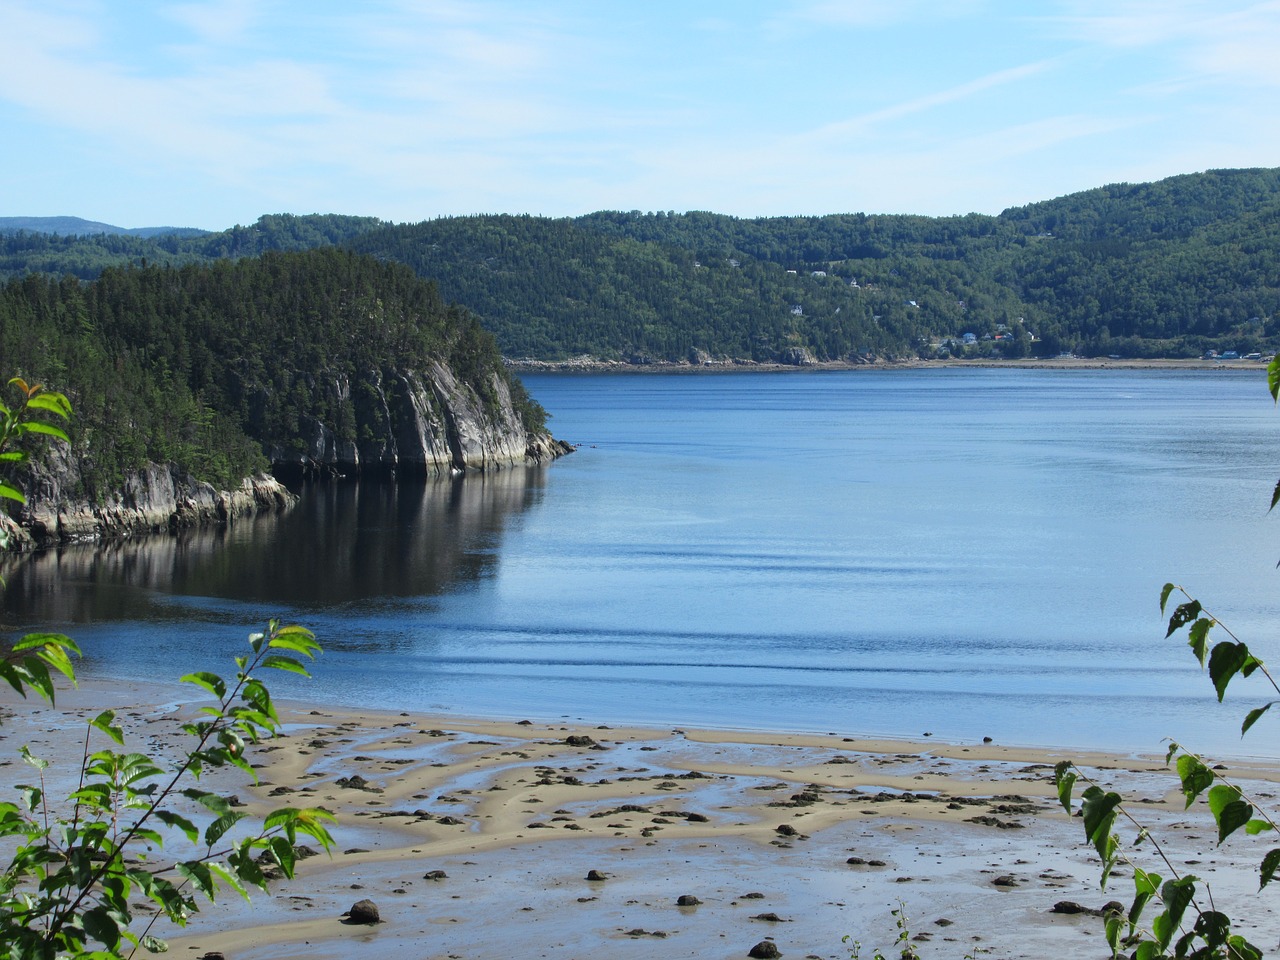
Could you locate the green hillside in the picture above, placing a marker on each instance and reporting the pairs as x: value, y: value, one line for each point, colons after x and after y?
x: 1166, y: 269
x: 1172, y: 268
x: 206, y: 366
x: 64, y: 253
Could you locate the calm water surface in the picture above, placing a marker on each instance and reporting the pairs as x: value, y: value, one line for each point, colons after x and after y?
x: 964, y: 552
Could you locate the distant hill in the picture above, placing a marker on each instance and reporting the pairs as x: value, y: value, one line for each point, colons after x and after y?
x: 86, y: 256
x: 76, y: 227
x: 1172, y: 268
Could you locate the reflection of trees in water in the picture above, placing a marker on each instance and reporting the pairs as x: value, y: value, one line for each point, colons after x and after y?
x: 345, y: 541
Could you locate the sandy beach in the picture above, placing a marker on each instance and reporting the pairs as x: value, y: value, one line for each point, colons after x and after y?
x: 475, y: 839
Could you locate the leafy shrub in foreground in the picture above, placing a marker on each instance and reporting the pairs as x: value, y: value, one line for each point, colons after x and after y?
x: 80, y: 863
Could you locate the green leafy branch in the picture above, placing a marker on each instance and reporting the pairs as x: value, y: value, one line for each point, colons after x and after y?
x: 71, y: 878
x: 1209, y: 934
x: 16, y: 422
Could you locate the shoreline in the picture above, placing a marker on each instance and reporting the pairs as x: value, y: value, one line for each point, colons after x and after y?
x: 595, y: 365
x: 516, y: 814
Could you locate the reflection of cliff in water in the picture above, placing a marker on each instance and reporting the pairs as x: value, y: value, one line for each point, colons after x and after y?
x: 344, y: 541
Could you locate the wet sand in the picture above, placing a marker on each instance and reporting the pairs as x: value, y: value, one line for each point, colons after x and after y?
x: 475, y: 838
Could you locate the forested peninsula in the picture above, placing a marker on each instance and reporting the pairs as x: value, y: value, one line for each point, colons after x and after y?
x: 1176, y: 268
x: 333, y: 344
x: 188, y: 381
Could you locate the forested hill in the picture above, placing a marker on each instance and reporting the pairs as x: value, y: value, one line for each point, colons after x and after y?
x: 290, y: 356
x: 1172, y: 268
x: 76, y: 251
x: 1166, y: 269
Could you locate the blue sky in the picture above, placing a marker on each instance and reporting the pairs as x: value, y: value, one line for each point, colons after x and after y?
x: 212, y: 113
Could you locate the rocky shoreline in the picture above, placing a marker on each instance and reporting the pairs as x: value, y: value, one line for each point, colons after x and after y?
x: 587, y: 364
x: 158, y: 498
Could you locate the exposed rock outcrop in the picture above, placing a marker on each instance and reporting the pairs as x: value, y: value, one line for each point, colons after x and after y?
x: 426, y: 423
x: 155, y: 498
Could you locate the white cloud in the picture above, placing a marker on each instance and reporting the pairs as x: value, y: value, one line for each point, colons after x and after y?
x: 221, y: 22
x: 930, y: 101
x: 881, y: 13
x: 1206, y: 38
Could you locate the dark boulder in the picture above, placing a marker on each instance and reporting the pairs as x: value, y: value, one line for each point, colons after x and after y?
x: 363, y: 911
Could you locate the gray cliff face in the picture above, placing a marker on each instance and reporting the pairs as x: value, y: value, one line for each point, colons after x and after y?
x: 155, y: 498
x: 426, y: 423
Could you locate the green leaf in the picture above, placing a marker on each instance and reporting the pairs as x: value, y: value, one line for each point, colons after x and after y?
x: 277, y: 662
x: 1235, y: 815
x: 12, y: 492
x: 31, y: 796
x: 208, y: 800
x: 1226, y: 660
x: 1066, y: 781
x: 1183, y: 614
x: 103, y: 722
x: 34, y: 641
x: 1198, y: 637
x: 218, y: 828
x: 32, y: 759
x: 1273, y: 379
x: 171, y: 819
x: 200, y: 876
x: 282, y: 852
x: 230, y: 879
x: 211, y: 682
x: 1238, y: 948
x: 1195, y: 776
x: 1255, y: 827
x: 1213, y: 927
x: 1164, y: 595
x: 242, y: 863
x: 1252, y: 717
x: 1145, y: 886
x: 101, y: 925
x: 1270, y: 863
x: 1113, y: 934
x: 51, y: 401
x: 1275, y: 497
x: 154, y: 944
x: 1177, y: 894
x: 297, y: 639
x: 35, y: 426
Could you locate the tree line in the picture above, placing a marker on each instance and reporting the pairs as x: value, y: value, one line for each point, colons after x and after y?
x: 1171, y: 268
x: 210, y: 365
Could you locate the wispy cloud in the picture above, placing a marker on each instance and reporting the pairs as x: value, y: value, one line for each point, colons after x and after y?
x: 880, y: 13
x: 1204, y: 38
x: 960, y: 92
x: 221, y: 22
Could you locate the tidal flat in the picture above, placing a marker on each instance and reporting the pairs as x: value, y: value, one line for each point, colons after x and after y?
x: 476, y: 838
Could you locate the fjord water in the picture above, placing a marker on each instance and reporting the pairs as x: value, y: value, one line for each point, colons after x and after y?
x: 965, y: 553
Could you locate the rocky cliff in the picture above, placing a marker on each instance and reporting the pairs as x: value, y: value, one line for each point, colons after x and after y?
x: 415, y: 423
x: 426, y: 423
x: 152, y: 499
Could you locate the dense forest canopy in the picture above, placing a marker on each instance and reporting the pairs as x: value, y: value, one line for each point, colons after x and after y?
x: 1173, y: 268
x: 207, y: 366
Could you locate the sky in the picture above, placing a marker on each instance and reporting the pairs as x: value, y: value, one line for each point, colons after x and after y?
x: 209, y: 113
